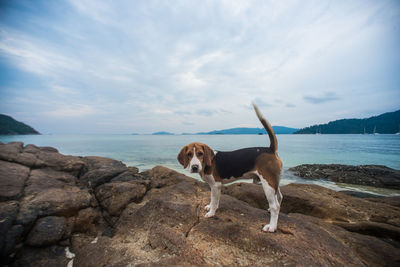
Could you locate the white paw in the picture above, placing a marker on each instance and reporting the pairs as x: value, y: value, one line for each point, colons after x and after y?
x: 207, y: 207
x: 209, y: 214
x: 269, y: 228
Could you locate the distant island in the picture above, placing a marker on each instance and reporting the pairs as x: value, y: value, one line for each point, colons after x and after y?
x: 387, y: 123
x: 10, y: 126
x: 162, y: 133
x: 277, y: 130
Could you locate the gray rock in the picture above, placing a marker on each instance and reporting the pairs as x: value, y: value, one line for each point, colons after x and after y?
x: 47, y: 231
x: 12, y: 180
x: 371, y: 175
x: 250, y: 193
x: 381, y: 230
x: 60, y: 162
x: 10, y: 151
x: 87, y: 221
x: 35, y: 149
x: 66, y: 201
x: 13, y: 237
x: 360, y: 194
x: 8, y: 212
x: 44, y: 257
x: 100, y: 170
x: 332, y: 206
x: 43, y: 179
x: 115, y: 196
x: 39, y: 157
x: 126, y: 177
x: 393, y: 201
x: 50, y: 192
x: 133, y: 170
x: 31, y: 149
x: 14, y: 152
x: 163, y: 177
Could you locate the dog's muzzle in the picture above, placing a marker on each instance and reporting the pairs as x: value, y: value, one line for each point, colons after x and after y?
x: 194, y: 168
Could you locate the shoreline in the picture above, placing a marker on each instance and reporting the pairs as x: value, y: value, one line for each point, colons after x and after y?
x: 146, y: 152
x: 287, y: 177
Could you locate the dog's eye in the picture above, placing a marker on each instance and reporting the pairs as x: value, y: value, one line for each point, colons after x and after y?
x: 190, y: 154
x: 200, y: 154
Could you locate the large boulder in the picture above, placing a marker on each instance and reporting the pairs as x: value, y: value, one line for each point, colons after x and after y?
x: 60, y: 162
x: 251, y: 193
x: 64, y: 201
x: 47, y: 231
x: 12, y: 180
x: 44, y: 179
x: 375, y: 217
x: 114, y: 196
x: 8, y: 212
x: 14, y: 152
x: 329, y: 205
x: 163, y: 177
x: 44, y: 257
x: 41, y: 199
x: 39, y: 157
x: 100, y: 170
x: 52, y: 192
x: 87, y: 221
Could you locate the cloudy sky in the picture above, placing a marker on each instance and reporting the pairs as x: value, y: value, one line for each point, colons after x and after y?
x: 126, y: 66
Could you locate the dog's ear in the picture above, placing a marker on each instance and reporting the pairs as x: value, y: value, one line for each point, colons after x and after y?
x: 182, y: 157
x: 208, y: 158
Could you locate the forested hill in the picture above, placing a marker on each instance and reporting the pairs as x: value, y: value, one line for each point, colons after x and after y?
x: 277, y: 130
x: 9, y: 126
x: 387, y: 123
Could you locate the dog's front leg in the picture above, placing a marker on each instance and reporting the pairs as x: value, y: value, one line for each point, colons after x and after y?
x: 215, y: 195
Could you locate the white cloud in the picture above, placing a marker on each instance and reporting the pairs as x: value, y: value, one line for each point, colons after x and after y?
x: 76, y: 111
x: 34, y: 56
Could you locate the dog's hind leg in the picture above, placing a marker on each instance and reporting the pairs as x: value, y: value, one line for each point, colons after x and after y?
x: 280, y: 197
x: 274, y: 200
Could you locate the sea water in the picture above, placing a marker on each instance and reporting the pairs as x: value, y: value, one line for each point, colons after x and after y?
x: 147, y: 151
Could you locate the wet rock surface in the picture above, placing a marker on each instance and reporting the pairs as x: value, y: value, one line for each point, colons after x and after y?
x: 371, y: 175
x: 46, y: 231
x: 109, y: 214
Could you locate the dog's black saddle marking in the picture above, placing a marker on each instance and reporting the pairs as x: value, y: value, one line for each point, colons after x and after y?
x: 238, y: 162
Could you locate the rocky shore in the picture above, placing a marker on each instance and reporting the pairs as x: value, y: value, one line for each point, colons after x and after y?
x: 370, y: 175
x: 58, y: 210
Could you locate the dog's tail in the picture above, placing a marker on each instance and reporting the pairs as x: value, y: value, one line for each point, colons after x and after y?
x: 272, y: 138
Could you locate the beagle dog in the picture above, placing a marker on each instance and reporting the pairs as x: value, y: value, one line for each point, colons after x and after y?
x: 225, y: 167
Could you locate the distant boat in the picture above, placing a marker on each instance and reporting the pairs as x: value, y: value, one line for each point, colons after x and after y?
x: 375, y: 133
x: 398, y: 133
x: 318, y: 131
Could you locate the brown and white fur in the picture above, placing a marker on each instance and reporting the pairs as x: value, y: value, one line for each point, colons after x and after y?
x: 266, y: 164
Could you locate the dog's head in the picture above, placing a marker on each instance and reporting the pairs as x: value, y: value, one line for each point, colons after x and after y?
x: 197, y: 156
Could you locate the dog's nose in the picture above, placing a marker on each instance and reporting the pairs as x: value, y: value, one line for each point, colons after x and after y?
x: 195, y: 168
